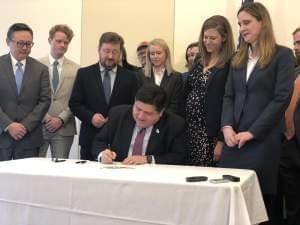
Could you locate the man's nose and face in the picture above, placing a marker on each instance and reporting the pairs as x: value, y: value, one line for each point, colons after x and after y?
x: 296, y: 39
x: 141, y: 53
x: 145, y: 115
x: 59, y: 44
x: 109, y: 55
x: 20, y: 44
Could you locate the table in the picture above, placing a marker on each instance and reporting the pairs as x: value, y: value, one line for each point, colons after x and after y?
x: 36, y: 191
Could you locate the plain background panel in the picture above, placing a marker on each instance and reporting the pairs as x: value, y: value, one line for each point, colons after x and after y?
x: 190, y: 15
x: 134, y: 20
x: 41, y: 16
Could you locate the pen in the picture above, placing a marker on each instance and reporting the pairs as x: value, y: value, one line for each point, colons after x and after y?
x: 109, y: 148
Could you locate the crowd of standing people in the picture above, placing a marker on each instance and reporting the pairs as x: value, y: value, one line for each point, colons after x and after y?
x: 233, y: 108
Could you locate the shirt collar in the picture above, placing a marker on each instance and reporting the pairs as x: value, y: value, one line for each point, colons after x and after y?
x: 250, y: 57
x: 60, y: 60
x: 14, y: 61
x: 102, y: 69
x: 160, y: 72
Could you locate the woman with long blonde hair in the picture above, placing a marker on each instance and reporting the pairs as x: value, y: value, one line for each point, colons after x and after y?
x: 159, y: 70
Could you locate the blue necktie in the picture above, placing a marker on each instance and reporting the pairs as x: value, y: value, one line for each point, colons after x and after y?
x: 106, y: 86
x: 19, y: 76
x: 55, y: 76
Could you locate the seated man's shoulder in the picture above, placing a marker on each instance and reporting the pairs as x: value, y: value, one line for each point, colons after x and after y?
x: 174, y: 119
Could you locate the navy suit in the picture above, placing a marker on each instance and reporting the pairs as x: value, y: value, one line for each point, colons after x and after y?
x: 166, y: 141
x: 258, y: 106
x: 88, y: 98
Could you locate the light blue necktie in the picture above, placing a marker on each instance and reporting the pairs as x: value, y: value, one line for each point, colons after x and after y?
x: 55, y: 76
x: 19, y: 76
x: 106, y: 86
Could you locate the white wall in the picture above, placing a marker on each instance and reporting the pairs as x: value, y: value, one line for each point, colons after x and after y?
x: 134, y: 20
x: 40, y: 15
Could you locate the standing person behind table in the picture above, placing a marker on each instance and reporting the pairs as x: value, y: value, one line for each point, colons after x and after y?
x: 191, y: 53
x: 141, y: 52
x: 99, y: 87
x: 205, y: 90
x: 257, y: 94
x: 25, y: 96
x: 290, y: 155
x: 59, y: 123
x: 158, y: 70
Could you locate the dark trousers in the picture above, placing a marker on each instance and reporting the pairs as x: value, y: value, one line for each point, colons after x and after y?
x: 274, y: 210
x: 86, y: 154
x: 290, y: 180
x: 16, y: 151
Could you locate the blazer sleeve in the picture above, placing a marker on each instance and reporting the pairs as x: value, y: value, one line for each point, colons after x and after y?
x: 77, y: 99
x: 177, y: 94
x: 274, y: 111
x: 227, y: 118
x: 34, y: 118
x: 175, y: 144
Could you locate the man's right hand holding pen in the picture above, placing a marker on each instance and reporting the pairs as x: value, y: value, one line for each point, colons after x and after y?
x: 108, y: 156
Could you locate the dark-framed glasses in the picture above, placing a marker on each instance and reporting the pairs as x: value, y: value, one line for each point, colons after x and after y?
x: 21, y: 44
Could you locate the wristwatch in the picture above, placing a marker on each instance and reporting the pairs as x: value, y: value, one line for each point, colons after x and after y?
x: 149, y: 158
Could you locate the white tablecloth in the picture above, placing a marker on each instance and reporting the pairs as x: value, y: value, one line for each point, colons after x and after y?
x: 40, y: 192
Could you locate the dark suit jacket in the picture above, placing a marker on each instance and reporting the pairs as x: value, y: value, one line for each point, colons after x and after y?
x: 30, y: 106
x: 88, y: 97
x: 166, y: 141
x: 173, y: 85
x: 258, y: 106
x: 214, y: 93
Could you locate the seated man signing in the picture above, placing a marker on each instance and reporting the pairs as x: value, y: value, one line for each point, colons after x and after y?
x: 142, y: 133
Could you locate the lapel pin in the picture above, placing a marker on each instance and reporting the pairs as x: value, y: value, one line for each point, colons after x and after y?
x: 157, y: 131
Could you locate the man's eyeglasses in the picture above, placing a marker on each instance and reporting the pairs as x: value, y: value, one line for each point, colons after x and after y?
x: 21, y: 44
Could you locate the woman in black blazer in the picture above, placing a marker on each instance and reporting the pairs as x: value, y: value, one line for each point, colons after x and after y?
x: 205, y: 89
x: 257, y: 93
x: 158, y: 70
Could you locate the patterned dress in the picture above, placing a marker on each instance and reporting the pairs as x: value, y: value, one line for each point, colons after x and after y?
x: 201, y: 147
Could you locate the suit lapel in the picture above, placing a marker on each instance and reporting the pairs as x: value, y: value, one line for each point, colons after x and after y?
x: 116, y: 86
x: 27, y: 73
x: 210, y: 77
x: 154, y: 140
x: 62, y: 76
x: 8, y: 71
x: 127, y: 136
x: 253, y: 73
x: 165, y: 80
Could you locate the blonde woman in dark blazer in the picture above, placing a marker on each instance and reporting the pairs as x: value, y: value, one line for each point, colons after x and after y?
x: 257, y: 93
x: 159, y: 70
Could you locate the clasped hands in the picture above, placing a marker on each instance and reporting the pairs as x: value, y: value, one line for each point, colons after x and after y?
x: 232, y: 138
x: 17, y: 130
x: 108, y: 156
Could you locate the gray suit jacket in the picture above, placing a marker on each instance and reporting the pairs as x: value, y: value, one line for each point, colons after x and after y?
x: 29, y: 107
x: 60, y: 99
